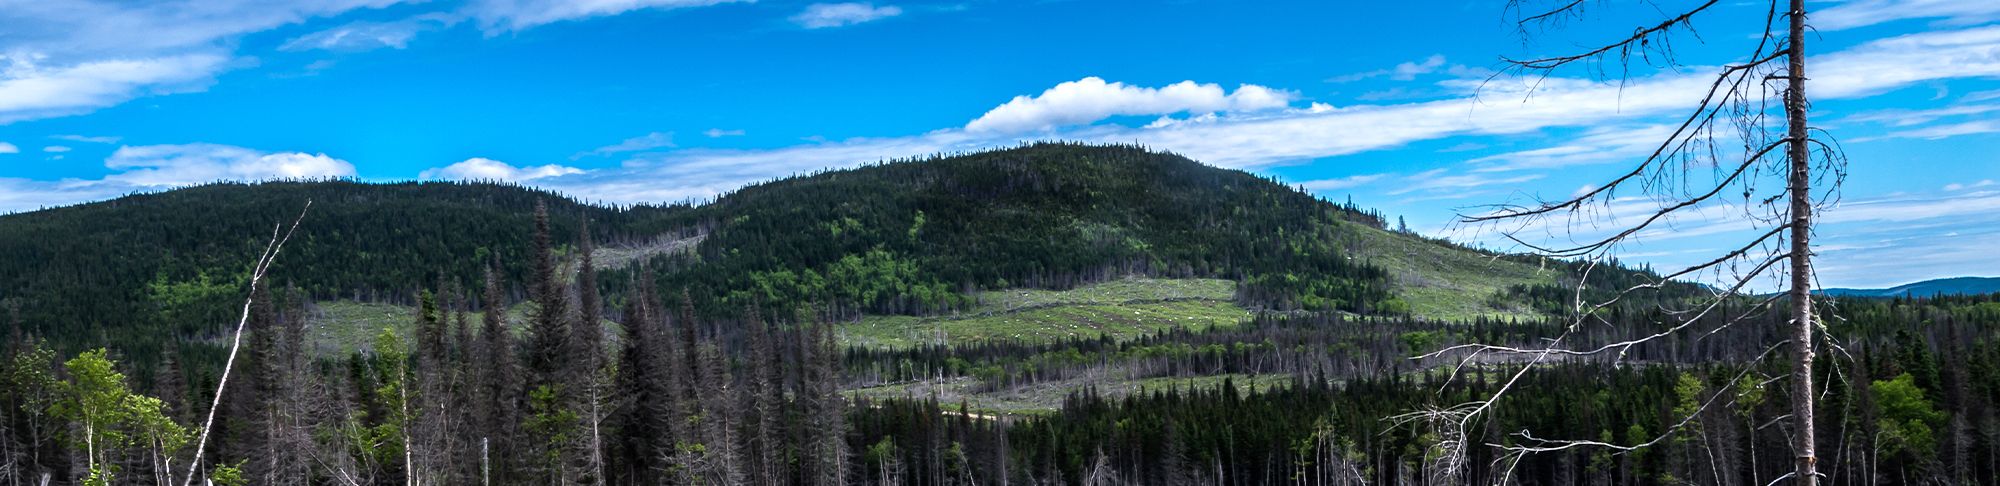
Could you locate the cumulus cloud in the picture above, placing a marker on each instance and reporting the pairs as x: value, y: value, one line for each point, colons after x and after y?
x: 1859, y: 13
x: 1091, y: 99
x: 179, y: 165
x: 825, y: 15
x: 485, y: 169
x: 363, y: 35
x: 497, y: 16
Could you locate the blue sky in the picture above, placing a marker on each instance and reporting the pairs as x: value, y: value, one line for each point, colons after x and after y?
x: 630, y: 101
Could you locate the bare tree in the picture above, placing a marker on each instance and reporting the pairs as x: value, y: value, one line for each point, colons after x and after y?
x: 1752, y: 109
x: 264, y: 261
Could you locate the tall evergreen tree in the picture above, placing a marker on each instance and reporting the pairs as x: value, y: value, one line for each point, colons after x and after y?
x: 643, y: 391
x: 499, y: 385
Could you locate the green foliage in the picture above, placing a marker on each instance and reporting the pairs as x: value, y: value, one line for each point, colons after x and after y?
x: 228, y: 475
x: 1908, y: 419
x: 110, y: 416
x: 551, y: 423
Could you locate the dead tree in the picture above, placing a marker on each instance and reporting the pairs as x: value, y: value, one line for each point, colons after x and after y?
x: 1750, y: 130
x: 264, y: 261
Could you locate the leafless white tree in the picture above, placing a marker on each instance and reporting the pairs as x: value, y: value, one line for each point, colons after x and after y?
x: 264, y: 260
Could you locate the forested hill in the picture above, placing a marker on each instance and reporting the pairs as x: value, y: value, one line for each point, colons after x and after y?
x: 908, y: 237
x: 129, y: 271
x: 915, y: 236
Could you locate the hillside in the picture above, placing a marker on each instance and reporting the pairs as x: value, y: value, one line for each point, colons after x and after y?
x: 1927, y: 288
x: 919, y: 237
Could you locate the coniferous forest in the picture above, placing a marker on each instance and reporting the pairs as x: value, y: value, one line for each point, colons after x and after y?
x: 542, y: 340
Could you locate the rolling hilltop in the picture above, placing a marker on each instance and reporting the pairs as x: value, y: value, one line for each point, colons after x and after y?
x: 1927, y: 288
x: 929, y: 239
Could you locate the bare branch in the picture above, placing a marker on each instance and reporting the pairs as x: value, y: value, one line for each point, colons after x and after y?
x: 264, y: 262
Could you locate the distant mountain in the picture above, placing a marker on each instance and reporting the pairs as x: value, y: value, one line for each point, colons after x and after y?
x: 1947, y: 286
x: 913, y: 237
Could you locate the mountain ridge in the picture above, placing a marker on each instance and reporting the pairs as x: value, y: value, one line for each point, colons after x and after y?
x: 1924, y: 288
x: 912, y: 237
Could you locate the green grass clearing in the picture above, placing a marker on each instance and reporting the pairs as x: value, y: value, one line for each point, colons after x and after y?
x: 1123, y: 309
x: 1448, y: 283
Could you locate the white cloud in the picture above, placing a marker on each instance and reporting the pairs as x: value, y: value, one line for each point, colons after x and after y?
x: 63, y: 58
x: 1441, y: 180
x: 84, y: 139
x: 719, y: 133
x: 1942, y: 131
x: 1596, y: 146
x: 180, y: 165
x: 29, y: 90
x: 1960, y: 187
x: 1858, y: 13
x: 1249, y: 139
x: 1903, y: 118
x: 635, y: 144
x: 1407, y: 71
x: 496, y: 16
x: 1341, y: 183
x: 1091, y: 99
x: 55, y: 149
x: 485, y: 169
x: 825, y: 15
x: 8, y: 148
x: 362, y: 36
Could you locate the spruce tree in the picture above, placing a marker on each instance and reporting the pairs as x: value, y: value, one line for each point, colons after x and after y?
x: 499, y: 385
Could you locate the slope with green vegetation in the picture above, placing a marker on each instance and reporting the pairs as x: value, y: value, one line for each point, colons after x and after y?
x: 1121, y: 309
x: 931, y: 240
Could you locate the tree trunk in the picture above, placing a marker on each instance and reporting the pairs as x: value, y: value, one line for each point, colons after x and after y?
x: 1801, y: 272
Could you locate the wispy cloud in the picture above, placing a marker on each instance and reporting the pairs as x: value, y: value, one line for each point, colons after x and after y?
x: 1341, y: 183
x: 30, y: 89
x: 640, y: 143
x: 719, y: 133
x: 1904, y: 118
x: 75, y: 57
x: 363, y: 35
x: 1408, y: 71
x: 828, y: 15
x: 84, y: 139
x: 1860, y: 13
x: 8, y: 148
x: 1936, y: 132
x: 500, y: 16
x: 1442, y: 180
